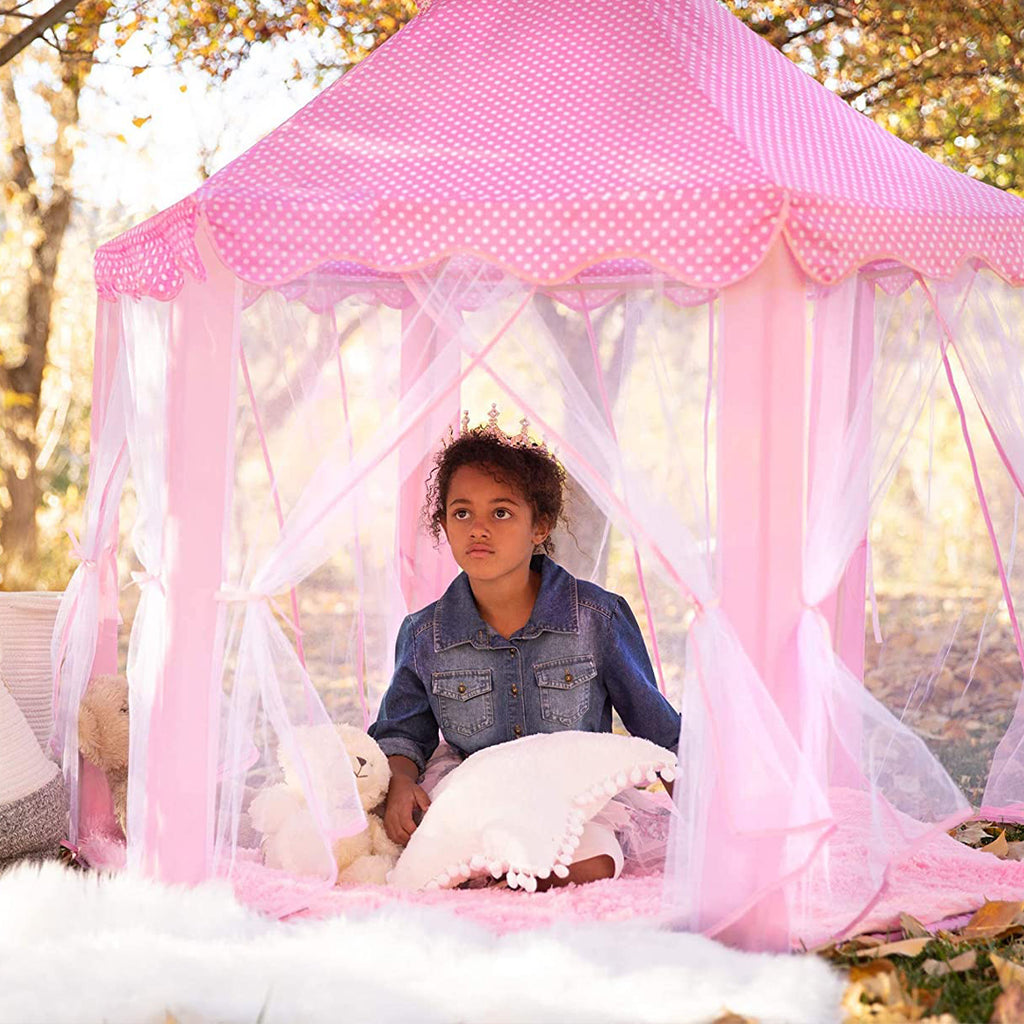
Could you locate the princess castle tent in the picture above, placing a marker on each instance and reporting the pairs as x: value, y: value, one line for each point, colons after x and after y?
x: 724, y: 298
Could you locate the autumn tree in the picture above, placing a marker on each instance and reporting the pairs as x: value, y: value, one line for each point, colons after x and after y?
x: 37, y: 205
x: 47, y: 52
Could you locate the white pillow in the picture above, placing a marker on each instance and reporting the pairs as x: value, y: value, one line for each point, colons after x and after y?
x: 518, y: 808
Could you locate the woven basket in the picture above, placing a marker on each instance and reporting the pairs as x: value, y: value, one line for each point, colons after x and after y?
x: 23, y: 767
x: 26, y: 625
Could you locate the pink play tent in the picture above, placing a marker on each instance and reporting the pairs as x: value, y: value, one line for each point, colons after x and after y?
x: 723, y: 297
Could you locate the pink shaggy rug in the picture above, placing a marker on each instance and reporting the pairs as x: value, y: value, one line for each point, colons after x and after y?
x: 939, y: 880
x: 498, y: 909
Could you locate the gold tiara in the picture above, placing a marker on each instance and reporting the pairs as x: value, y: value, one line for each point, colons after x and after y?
x: 492, y: 430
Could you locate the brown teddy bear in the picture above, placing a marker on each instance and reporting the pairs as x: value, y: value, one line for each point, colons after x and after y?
x: 103, y: 735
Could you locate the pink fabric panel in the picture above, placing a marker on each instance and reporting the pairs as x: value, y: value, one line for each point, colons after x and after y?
x: 760, y: 468
x: 181, y: 753
x: 760, y: 538
x: 857, y: 193
x: 540, y: 136
x: 152, y: 257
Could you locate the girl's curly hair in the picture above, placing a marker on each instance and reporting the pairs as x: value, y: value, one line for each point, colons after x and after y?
x: 531, y: 469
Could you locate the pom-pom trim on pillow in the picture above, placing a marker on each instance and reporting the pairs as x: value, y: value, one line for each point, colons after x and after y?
x: 597, y: 766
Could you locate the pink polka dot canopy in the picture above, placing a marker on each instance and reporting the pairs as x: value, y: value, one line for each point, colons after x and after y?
x: 546, y: 138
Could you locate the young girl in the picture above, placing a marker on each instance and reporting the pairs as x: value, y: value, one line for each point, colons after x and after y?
x: 516, y: 645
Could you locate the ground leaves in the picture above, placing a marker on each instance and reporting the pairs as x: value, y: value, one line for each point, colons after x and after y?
x: 904, y: 947
x: 994, y: 920
x: 912, y: 928
x: 938, y: 968
x: 1009, y: 1007
x: 878, y: 993
x: 999, y: 847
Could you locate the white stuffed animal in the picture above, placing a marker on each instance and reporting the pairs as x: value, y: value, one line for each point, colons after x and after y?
x: 291, y: 838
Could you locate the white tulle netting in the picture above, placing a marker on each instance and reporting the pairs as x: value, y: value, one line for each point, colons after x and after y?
x: 344, y: 388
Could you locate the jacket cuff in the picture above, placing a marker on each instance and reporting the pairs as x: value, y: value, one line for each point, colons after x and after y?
x: 406, y: 748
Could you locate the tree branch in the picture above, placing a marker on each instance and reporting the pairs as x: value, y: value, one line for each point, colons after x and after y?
x: 35, y: 29
x: 780, y: 37
x: 890, y: 76
x: 893, y: 79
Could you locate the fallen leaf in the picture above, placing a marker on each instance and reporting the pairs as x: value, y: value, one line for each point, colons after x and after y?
x: 182, y: 88
x: 849, y: 947
x: 970, y: 832
x: 140, y: 121
x: 1009, y: 1006
x: 1009, y: 972
x: 905, y: 947
x: 912, y: 928
x: 994, y: 919
x: 876, y: 993
x: 939, y: 968
x: 136, y: 71
x: 1015, y: 851
x: 733, y: 1018
x: 999, y: 847
x: 964, y: 962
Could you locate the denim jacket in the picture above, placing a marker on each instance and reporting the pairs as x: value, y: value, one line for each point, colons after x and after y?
x: 580, y: 655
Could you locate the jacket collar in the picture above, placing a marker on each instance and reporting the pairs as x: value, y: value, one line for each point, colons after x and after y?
x: 556, y: 610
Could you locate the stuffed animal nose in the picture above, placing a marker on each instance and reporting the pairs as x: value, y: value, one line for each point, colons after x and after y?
x: 361, y: 760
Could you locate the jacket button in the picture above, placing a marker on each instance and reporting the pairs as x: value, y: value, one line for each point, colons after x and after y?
x: 518, y: 730
x: 515, y: 690
x: 462, y: 687
x: 512, y: 653
x: 568, y: 677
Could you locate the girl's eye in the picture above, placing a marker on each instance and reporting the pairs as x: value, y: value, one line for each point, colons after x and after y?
x: 461, y: 513
x: 502, y: 513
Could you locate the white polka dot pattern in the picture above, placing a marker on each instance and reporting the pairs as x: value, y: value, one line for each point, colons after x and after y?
x: 545, y: 136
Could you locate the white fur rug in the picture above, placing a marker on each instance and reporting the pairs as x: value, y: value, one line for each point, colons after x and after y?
x: 83, y: 947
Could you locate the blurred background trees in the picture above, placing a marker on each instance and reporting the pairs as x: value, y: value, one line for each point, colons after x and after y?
x: 945, y: 76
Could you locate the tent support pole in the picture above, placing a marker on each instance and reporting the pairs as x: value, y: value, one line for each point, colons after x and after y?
x: 181, y: 755
x: 761, y: 466
x: 761, y: 474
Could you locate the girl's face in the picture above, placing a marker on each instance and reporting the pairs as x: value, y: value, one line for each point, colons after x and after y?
x: 489, y: 525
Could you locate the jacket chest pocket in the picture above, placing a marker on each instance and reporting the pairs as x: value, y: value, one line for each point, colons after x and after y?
x: 465, y: 700
x: 564, y: 687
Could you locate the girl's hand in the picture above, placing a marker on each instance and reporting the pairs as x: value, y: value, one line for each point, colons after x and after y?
x: 404, y: 797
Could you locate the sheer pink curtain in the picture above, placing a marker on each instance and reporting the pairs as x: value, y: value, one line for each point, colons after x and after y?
x: 82, y: 610
x: 983, y: 316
